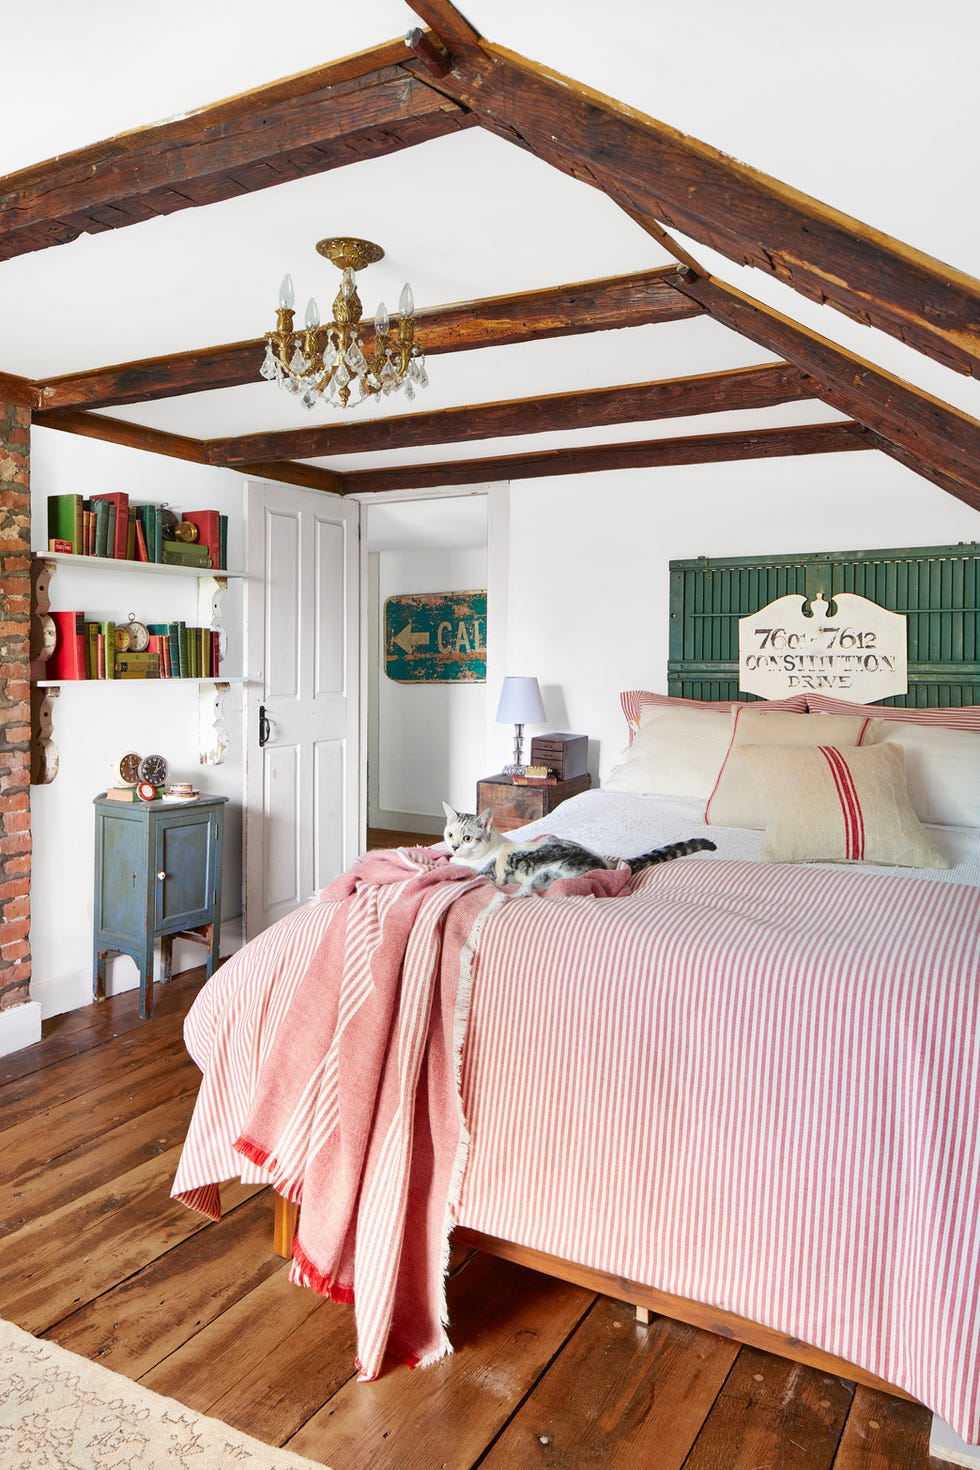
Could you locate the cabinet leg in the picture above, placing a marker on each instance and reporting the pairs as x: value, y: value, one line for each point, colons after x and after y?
x: 166, y: 957
x: 144, y: 961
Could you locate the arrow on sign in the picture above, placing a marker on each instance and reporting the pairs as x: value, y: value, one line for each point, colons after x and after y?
x: 408, y: 640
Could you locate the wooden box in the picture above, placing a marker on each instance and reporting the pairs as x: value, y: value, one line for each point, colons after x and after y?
x: 566, y: 755
x: 514, y: 806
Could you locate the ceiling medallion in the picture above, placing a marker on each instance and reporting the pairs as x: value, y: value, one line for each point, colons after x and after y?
x: 329, y: 363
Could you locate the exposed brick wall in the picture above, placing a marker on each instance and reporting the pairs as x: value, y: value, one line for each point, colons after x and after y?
x: 15, y: 704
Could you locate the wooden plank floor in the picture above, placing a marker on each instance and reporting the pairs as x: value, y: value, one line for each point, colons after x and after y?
x: 94, y: 1255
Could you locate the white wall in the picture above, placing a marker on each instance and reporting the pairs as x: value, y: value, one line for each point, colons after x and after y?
x: 96, y: 721
x: 590, y: 617
x: 430, y: 738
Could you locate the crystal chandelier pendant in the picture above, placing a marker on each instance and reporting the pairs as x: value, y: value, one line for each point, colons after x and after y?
x: 328, y: 363
x: 268, y: 368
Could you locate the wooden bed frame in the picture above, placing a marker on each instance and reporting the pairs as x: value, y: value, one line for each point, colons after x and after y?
x: 645, y: 1299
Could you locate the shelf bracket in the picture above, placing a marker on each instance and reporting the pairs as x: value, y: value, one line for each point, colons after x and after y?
x: 44, y: 752
x: 212, y: 730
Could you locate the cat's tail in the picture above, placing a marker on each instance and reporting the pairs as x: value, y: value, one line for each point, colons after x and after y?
x: 672, y: 850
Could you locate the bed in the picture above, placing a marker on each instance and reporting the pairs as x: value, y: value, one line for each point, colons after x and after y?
x: 742, y: 1089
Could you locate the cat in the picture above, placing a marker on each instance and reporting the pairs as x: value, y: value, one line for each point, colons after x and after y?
x: 475, y: 842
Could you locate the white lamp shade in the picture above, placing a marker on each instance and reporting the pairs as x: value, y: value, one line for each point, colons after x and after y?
x: 520, y: 702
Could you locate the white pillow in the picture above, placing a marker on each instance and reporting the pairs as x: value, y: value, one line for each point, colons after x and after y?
x: 736, y: 800
x: 676, y: 752
x: 942, y: 768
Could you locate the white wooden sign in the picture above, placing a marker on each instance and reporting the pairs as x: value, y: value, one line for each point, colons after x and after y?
x: 859, y: 653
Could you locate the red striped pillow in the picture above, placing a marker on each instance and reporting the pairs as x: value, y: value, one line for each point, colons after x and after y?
x: 957, y: 717
x: 633, y: 700
x: 826, y: 804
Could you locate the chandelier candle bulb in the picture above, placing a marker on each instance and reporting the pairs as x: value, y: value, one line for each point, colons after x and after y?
x: 312, y: 315
x: 286, y: 293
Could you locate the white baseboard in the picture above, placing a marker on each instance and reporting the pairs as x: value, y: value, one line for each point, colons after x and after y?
x: 426, y: 823
x: 945, y: 1444
x: 20, y: 1026
x: 70, y: 992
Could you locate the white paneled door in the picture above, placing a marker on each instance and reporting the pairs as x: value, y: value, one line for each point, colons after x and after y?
x: 301, y: 706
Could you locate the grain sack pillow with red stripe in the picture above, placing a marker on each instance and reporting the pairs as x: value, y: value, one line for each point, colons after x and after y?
x: 825, y: 804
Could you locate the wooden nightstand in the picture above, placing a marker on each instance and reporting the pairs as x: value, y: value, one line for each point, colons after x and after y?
x: 513, y: 806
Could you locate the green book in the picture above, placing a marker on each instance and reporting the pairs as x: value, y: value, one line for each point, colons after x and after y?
x: 101, y: 510
x: 108, y: 630
x: 92, y: 631
x: 65, y: 520
x: 137, y: 666
x: 185, y: 554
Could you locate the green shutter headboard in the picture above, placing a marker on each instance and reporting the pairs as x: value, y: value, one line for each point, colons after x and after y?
x: 937, y: 587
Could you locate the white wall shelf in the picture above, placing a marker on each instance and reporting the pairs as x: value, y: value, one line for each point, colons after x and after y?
x: 118, y: 683
x: 212, y: 584
x: 122, y: 564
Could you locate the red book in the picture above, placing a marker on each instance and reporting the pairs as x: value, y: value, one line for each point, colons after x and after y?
x: 141, y: 552
x: 67, y: 660
x: 120, y: 500
x: 208, y: 532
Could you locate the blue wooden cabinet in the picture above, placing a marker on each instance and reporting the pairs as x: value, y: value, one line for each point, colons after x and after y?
x: 157, y: 877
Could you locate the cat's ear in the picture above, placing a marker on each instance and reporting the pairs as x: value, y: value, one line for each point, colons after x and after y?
x: 451, y: 816
x: 485, y: 819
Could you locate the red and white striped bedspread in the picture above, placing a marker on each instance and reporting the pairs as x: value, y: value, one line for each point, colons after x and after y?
x: 755, y: 1086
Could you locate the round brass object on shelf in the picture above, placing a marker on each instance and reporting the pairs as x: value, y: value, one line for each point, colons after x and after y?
x: 185, y: 531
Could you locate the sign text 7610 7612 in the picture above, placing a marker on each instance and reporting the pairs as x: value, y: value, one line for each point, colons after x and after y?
x: 436, y: 638
x: 857, y: 651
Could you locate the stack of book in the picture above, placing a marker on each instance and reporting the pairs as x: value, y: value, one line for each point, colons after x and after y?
x: 85, y: 648
x: 109, y: 525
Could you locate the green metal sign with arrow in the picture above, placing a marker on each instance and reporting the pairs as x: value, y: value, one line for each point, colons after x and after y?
x: 436, y: 638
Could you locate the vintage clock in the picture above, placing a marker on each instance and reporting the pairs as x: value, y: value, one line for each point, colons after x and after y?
x: 168, y: 523
x: 132, y: 637
x: 125, y: 770
x: 154, y: 769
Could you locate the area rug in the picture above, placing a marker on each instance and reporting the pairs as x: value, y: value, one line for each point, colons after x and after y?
x: 60, y: 1412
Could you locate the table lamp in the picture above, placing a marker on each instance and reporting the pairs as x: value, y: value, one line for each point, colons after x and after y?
x: 520, y: 704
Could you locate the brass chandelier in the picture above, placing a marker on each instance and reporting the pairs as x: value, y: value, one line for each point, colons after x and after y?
x: 329, y: 362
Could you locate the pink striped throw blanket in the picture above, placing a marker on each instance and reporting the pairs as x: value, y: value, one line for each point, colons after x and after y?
x: 340, y: 1070
x: 356, y: 1112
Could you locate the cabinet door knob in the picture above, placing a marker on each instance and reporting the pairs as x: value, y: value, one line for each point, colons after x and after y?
x: 161, y: 876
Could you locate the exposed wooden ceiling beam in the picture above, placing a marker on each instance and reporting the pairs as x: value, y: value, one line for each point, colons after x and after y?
x: 120, y: 431
x: 744, y: 388
x: 20, y: 391
x: 451, y: 27
x: 179, y: 446
x: 557, y: 311
x: 656, y: 170
x: 655, y: 454
x: 924, y: 432
x: 696, y: 449
x: 361, y: 107
x: 309, y: 475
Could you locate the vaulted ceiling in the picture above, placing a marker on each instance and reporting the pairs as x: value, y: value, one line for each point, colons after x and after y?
x: 633, y: 296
